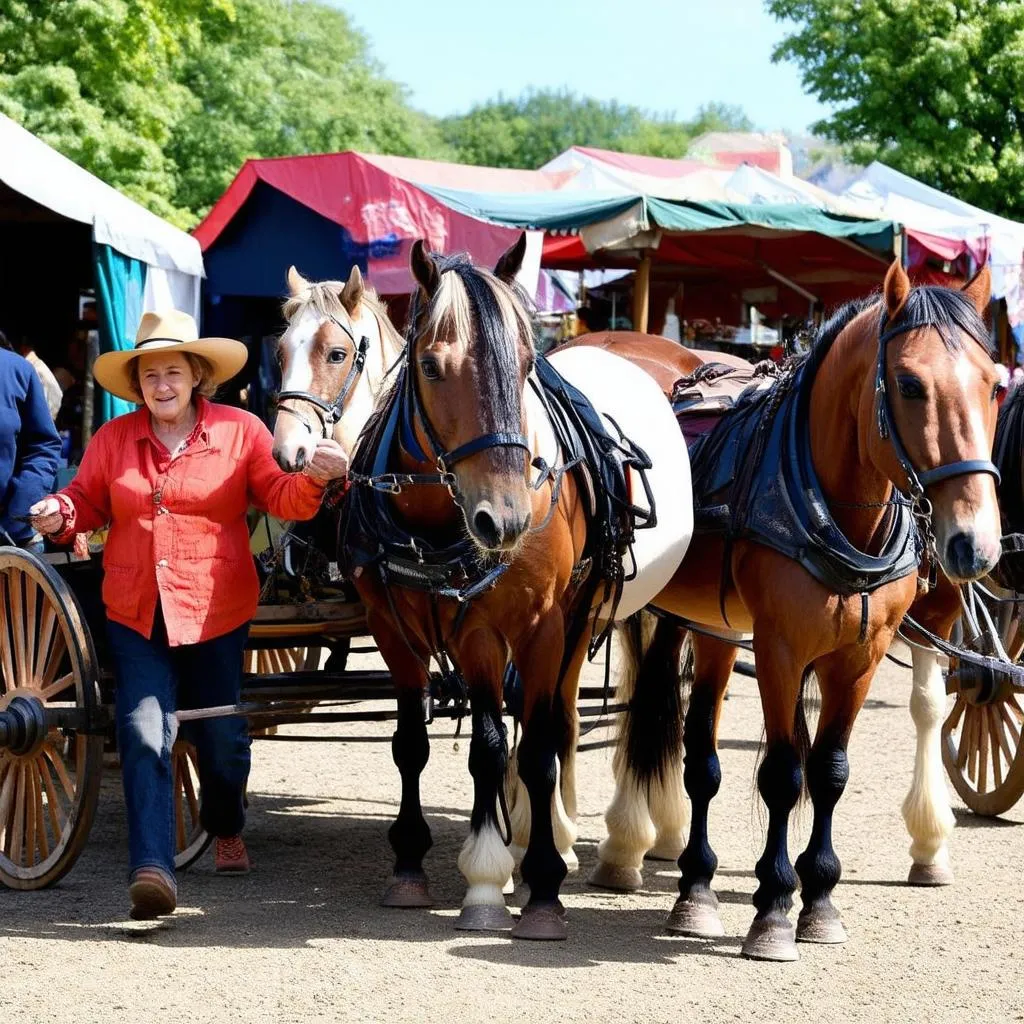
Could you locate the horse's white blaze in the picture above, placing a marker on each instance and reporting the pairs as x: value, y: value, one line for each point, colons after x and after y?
x: 625, y: 393
x: 926, y: 809
x: 296, y: 348
x: 486, y: 864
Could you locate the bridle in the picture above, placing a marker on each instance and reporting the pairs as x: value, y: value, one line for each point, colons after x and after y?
x: 329, y: 413
x: 917, y: 480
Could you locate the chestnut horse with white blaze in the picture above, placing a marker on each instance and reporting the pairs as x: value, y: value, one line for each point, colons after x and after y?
x: 902, y: 397
x: 468, y: 533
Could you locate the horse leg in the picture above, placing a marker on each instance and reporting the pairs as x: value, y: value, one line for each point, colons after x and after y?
x: 771, y: 935
x: 844, y: 678
x: 539, y: 659
x: 409, y: 835
x: 926, y: 809
x: 631, y: 832
x: 696, y: 910
x: 484, y: 860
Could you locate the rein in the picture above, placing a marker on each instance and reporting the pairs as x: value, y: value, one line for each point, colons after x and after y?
x: 329, y: 413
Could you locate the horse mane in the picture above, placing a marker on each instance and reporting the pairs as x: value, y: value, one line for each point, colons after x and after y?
x: 324, y: 299
x: 946, y: 310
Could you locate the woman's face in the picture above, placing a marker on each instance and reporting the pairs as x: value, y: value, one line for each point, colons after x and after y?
x: 166, y: 381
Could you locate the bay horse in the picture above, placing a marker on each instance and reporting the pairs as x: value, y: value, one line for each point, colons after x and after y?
x: 897, y: 396
x: 473, y: 543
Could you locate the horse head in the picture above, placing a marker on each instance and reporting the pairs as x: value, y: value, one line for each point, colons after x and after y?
x: 937, y: 396
x: 470, y: 351
x: 334, y: 355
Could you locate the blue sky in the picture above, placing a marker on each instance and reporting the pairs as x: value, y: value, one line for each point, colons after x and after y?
x: 668, y: 56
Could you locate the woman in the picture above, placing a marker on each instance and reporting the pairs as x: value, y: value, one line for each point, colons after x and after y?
x: 29, y: 448
x: 174, y: 481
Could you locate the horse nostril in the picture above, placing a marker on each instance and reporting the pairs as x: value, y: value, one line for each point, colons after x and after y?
x: 486, y: 528
x: 966, y: 559
x: 300, y: 460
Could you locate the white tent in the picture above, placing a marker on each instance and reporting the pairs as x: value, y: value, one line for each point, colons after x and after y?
x: 172, y: 257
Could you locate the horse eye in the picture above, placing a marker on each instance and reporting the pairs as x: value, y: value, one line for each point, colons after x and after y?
x: 336, y: 355
x: 910, y: 387
x: 430, y: 369
x: 999, y: 392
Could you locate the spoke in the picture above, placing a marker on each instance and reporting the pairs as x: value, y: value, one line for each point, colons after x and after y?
x: 47, y: 627
x: 15, y: 582
x: 58, y: 686
x: 983, y: 749
x: 179, y: 813
x: 53, y: 662
x: 62, y: 773
x: 6, y: 799
x: 995, y: 732
x: 955, y: 715
x: 6, y: 637
x: 31, y: 600
x: 190, y: 794
x: 32, y: 813
x: 1011, y: 703
x: 999, y: 723
x: 53, y: 803
x: 19, y: 819
x: 964, y: 745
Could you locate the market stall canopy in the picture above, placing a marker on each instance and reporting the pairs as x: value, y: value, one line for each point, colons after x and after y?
x: 948, y: 228
x: 325, y: 213
x: 35, y: 170
x: 139, y: 261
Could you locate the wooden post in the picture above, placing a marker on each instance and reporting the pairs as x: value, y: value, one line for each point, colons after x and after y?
x: 642, y: 294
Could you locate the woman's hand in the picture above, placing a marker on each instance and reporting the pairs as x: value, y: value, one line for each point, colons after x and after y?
x: 329, y: 461
x: 46, y: 516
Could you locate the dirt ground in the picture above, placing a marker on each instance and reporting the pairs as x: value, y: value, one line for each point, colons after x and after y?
x: 303, y: 938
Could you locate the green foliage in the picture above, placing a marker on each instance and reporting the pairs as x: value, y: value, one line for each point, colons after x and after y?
x: 530, y: 130
x: 165, y: 99
x: 934, y: 89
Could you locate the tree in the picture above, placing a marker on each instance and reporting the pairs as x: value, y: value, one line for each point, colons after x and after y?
x: 283, y: 78
x: 531, y: 130
x: 934, y: 89
x: 165, y: 99
x: 93, y: 78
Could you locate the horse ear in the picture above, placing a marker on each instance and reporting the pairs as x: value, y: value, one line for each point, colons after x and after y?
x: 896, y: 289
x: 979, y: 290
x: 424, y: 269
x: 297, y: 284
x: 511, y: 260
x: 352, y: 293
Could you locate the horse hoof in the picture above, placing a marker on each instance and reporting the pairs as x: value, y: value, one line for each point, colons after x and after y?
x: 820, y: 924
x: 667, y: 851
x: 696, y: 915
x: 509, y: 888
x: 615, y: 878
x: 407, y: 891
x: 572, y: 862
x: 771, y: 938
x: 544, y: 922
x: 484, y: 917
x: 930, y: 874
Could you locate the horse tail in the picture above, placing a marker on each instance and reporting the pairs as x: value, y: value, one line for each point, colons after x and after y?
x: 651, y: 731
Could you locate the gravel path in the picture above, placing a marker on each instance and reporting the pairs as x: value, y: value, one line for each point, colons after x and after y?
x: 302, y: 937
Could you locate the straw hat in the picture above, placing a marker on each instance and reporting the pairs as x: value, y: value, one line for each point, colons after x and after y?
x: 160, y: 332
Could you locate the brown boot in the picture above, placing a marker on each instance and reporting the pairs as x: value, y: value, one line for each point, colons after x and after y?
x: 153, y: 893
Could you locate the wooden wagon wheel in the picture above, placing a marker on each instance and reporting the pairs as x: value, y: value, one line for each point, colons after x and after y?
x: 48, y: 795
x: 981, y: 741
x: 190, y: 838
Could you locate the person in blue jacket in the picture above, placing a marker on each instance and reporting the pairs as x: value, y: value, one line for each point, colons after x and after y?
x: 29, y: 449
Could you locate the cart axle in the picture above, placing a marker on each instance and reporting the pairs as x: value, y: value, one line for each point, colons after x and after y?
x: 22, y: 725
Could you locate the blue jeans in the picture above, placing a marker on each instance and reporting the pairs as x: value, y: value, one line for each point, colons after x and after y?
x: 153, y: 681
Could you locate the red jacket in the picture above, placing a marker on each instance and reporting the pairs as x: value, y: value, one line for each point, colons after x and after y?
x: 177, y: 527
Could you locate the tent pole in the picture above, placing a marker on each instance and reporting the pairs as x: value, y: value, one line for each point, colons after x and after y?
x: 642, y: 294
